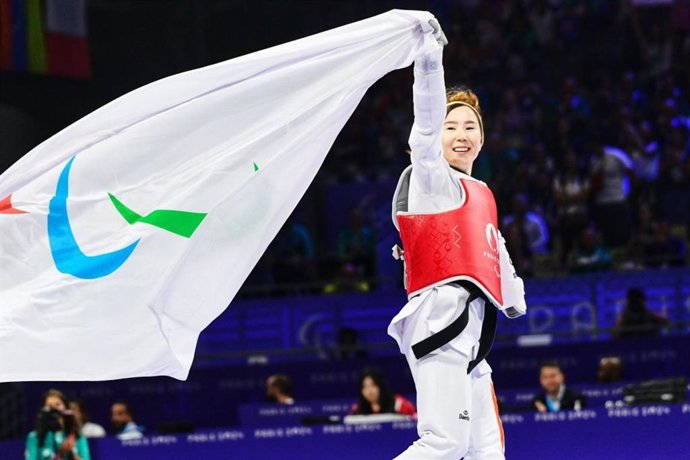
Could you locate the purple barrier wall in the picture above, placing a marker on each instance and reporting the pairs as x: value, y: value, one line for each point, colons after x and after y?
x: 211, y: 396
x: 510, y: 401
x: 267, y: 414
x: 567, y: 308
x: 645, y: 432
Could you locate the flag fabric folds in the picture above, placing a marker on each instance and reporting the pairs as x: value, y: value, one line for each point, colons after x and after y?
x: 124, y: 235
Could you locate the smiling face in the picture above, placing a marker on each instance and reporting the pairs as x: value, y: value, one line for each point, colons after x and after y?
x: 462, y: 138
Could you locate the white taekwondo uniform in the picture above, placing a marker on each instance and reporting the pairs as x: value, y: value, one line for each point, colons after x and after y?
x: 457, y: 412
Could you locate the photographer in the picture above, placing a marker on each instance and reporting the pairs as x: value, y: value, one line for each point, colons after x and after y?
x: 57, y: 432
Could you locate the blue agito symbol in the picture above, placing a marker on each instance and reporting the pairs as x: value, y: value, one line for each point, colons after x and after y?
x: 68, y: 256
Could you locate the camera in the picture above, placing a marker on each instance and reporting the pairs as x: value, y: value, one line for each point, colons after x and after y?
x: 49, y: 420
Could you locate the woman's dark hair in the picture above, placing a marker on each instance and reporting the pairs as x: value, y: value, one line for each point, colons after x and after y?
x: 386, y: 397
x: 49, y: 419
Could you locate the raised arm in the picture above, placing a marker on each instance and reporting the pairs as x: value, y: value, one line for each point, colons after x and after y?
x: 429, y: 97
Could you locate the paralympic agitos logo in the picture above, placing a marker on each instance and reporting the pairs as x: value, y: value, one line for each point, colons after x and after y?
x: 68, y: 256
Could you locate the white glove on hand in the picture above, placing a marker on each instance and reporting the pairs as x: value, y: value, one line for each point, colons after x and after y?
x: 512, y: 286
x: 430, y: 59
x: 438, y: 32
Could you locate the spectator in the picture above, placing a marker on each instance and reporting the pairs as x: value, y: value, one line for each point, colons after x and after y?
x: 655, y: 47
x: 540, y: 171
x: 556, y: 397
x: 645, y: 234
x: 646, y: 156
x: 611, y: 172
x: 122, y: 419
x: 348, y: 279
x: 356, y: 244
x: 375, y: 396
x: 637, y: 320
x: 571, y: 191
x: 663, y: 249
x: 348, y: 345
x: 87, y: 429
x: 293, y: 254
x: 520, y: 251
x: 279, y: 389
x: 590, y: 255
x: 57, y: 433
x: 531, y: 224
x: 546, y: 106
x: 610, y: 369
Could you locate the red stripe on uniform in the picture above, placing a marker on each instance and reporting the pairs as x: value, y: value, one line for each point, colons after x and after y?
x: 498, y: 418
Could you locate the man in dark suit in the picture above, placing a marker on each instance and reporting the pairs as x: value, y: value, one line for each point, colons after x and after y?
x: 556, y: 397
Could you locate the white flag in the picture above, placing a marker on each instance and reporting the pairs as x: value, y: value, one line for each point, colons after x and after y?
x: 123, y: 236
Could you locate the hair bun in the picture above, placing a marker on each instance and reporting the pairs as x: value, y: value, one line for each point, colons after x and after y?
x: 465, y: 95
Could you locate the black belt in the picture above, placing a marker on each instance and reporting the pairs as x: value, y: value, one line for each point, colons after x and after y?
x: 454, y: 329
x: 486, y: 339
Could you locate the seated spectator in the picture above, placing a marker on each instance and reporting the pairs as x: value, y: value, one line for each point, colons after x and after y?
x: 375, y: 396
x: 556, y: 397
x: 279, y: 389
x: 590, y: 255
x: 611, y: 170
x: 610, y: 369
x: 663, y: 249
x: 348, y: 345
x: 540, y: 171
x: 87, y: 429
x: 571, y: 190
x: 644, y: 236
x: 123, y: 421
x: 356, y: 244
x: 293, y: 253
x: 532, y: 225
x: 348, y: 279
x: 637, y: 320
x: 57, y: 434
x: 520, y: 251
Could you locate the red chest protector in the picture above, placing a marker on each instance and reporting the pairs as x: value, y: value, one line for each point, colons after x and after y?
x: 458, y: 244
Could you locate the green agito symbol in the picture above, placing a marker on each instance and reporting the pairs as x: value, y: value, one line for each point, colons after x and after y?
x: 68, y: 256
x: 182, y: 223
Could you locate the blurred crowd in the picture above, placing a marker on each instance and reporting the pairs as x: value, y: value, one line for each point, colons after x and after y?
x: 587, y: 118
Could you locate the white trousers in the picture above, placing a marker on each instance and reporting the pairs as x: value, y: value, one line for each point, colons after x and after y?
x: 457, y: 412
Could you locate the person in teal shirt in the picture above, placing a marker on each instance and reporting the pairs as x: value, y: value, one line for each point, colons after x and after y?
x: 57, y: 434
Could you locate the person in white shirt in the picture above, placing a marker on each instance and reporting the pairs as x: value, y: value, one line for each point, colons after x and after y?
x: 123, y: 421
x: 458, y: 272
x: 88, y: 429
x: 279, y: 389
x: 611, y: 173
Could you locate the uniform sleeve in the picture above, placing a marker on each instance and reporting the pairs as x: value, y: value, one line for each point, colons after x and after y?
x: 512, y: 286
x: 429, y: 167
